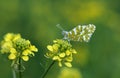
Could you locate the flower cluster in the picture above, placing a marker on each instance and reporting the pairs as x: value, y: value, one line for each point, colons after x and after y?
x: 16, y: 47
x: 62, y: 52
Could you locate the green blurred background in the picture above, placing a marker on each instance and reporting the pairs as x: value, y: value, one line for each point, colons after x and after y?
x: 36, y: 20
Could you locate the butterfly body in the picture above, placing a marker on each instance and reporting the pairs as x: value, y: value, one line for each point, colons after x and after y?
x: 80, y: 33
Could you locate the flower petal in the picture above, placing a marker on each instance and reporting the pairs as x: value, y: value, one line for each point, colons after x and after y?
x: 49, y: 47
x: 62, y: 55
x: 25, y: 58
x: 33, y: 48
x: 13, y: 50
x: 12, y: 56
x: 68, y: 64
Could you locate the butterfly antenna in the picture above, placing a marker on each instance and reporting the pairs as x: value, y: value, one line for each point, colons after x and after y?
x: 59, y: 26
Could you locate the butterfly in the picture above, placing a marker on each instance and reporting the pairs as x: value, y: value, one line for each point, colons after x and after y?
x: 80, y: 33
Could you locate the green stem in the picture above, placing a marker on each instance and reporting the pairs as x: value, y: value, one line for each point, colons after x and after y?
x: 19, y: 69
x: 14, y: 73
x: 47, y: 70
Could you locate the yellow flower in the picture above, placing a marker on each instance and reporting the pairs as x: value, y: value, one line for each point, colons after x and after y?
x: 62, y: 55
x: 56, y: 58
x: 49, y: 47
x: 25, y: 58
x: 17, y: 36
x: 33, y: 48
x: 5, y: 46
x: 69, y: 59
x: 68, y: 64
x: 12, y: 56
x: 8, y: 36
x: 68, y: 52
x: 55, y: 47
x: 25, y: 52
x: 74, y: 51
x: 13, y: 50
x: 28, y: 52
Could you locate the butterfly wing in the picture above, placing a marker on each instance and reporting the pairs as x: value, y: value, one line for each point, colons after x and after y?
x: 81, y: 33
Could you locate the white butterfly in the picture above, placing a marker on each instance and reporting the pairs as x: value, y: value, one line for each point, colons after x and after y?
x: 80, y: 33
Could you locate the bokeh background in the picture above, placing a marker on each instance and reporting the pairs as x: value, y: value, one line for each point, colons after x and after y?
x: 36, y: 20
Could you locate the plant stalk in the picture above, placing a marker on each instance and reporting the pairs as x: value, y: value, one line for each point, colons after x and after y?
x: 14, y: 73
x: 47, y: 70
x: 19, y: 69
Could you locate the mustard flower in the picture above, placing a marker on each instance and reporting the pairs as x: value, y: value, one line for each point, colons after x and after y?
x: 61, y: 51
x: 17, y: 47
